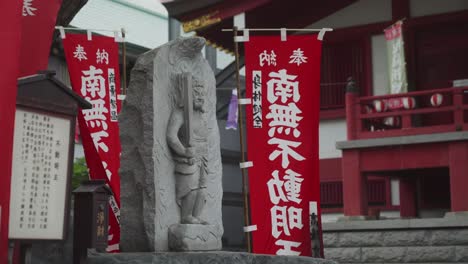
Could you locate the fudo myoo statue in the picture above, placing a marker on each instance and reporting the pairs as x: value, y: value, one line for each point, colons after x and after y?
x: 171, y: 170
x: 187, y: 133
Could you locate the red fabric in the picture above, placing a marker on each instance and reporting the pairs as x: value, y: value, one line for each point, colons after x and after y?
x: 98, y: 123
x: 10, y: 37
x: 260, y: 145
x: 77, y: 132
x: 394, y: 31
x: 38, y: 22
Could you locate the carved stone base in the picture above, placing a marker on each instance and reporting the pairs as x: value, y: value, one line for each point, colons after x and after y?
x: 186, y: 237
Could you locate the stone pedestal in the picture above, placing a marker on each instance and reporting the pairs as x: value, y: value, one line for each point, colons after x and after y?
x: 200, y: 258
x: 194, y: 238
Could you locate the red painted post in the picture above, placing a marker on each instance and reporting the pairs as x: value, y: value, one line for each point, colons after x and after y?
x: 354, y: 185
x: 458, y: 166
x: 458, y: 112
x: 407, y: 197
x: 352, y: 110
x: 10, y: 36
x: 406, y: 121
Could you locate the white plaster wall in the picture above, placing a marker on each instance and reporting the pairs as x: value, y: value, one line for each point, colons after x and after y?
x: 431, y: 7
x: 379, y: 65
x: 331, y: 131
x: 360, y: 13
x: 395, y: 191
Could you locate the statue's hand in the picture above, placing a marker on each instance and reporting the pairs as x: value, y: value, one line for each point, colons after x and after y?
x: 191, y: 161
x: 189, y: 152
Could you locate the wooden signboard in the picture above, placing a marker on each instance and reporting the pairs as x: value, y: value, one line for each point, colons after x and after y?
x: 41, y: 152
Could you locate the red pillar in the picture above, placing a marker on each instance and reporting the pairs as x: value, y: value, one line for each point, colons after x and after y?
x: 10, y: 34
x: 458, y: 165
x: 354, y: 185
x: 352, y: 109
x: 408, y: 197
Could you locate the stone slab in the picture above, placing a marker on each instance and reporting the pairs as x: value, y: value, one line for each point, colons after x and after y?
x: 362, y: 239
x: 344, y: 254
x: 430, y: 254
x: 194, y: 238
x: 461, y: 254
x: 404, y: 140
x: 406, y: 238
x: 449, y: 237
x: 426, y: 223
x: 199, y: 257
x: 383, y: 254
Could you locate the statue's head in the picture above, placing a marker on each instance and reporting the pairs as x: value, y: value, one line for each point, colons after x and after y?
x: 185, y: 49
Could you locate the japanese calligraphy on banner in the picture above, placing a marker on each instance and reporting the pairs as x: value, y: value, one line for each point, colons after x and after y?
x: 94, y: 73
x: 396, y: 59
x: 37, y: 27
x: 282, y: 79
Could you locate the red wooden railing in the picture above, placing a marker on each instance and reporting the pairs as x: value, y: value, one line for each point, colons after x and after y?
x: 331, y: 193
x: 450, y: 116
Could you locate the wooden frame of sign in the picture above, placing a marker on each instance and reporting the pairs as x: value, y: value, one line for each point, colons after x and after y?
x: 42, y: 158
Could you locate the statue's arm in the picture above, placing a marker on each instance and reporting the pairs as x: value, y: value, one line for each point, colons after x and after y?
x: 175, y: 122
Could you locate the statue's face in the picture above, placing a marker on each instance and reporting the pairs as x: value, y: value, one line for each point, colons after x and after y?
x: 198, y: 100
x: 198, y: 96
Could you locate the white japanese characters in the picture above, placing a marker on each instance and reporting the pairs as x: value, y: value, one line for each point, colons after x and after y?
x: 267, y: 58
x: 93, y: 89
x: 28, y: 8
x: 298, y: 57
x: 102, y: 56
x: 284, y: 130
x: 80, y: 53
x: 397, y: 66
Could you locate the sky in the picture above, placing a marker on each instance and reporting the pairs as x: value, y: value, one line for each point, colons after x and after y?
x: 146, y: 29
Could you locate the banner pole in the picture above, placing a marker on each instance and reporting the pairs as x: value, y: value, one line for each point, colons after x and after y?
x: 124, y: 63
x: 242, y: 146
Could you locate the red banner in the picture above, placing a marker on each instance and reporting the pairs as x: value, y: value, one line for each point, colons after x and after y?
x: 10, y: 38
x: 38, y: 23
x: 283, y: 80
x: 94, y: 73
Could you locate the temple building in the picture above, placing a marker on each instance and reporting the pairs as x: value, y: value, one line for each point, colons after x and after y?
x: 390, y: 164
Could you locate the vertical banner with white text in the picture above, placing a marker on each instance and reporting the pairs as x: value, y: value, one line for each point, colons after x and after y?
x: 283, y: 81
x: 37, y: 27
x: 94, y: 73
x: 396, y: 58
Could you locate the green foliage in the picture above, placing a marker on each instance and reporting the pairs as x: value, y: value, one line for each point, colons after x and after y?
x: 80, y: 172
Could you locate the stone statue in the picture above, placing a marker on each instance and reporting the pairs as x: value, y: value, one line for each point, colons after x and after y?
x: 190, y: 148
x: 171, y: 174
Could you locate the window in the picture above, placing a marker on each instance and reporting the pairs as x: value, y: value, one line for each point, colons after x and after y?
x: 340, y: 61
